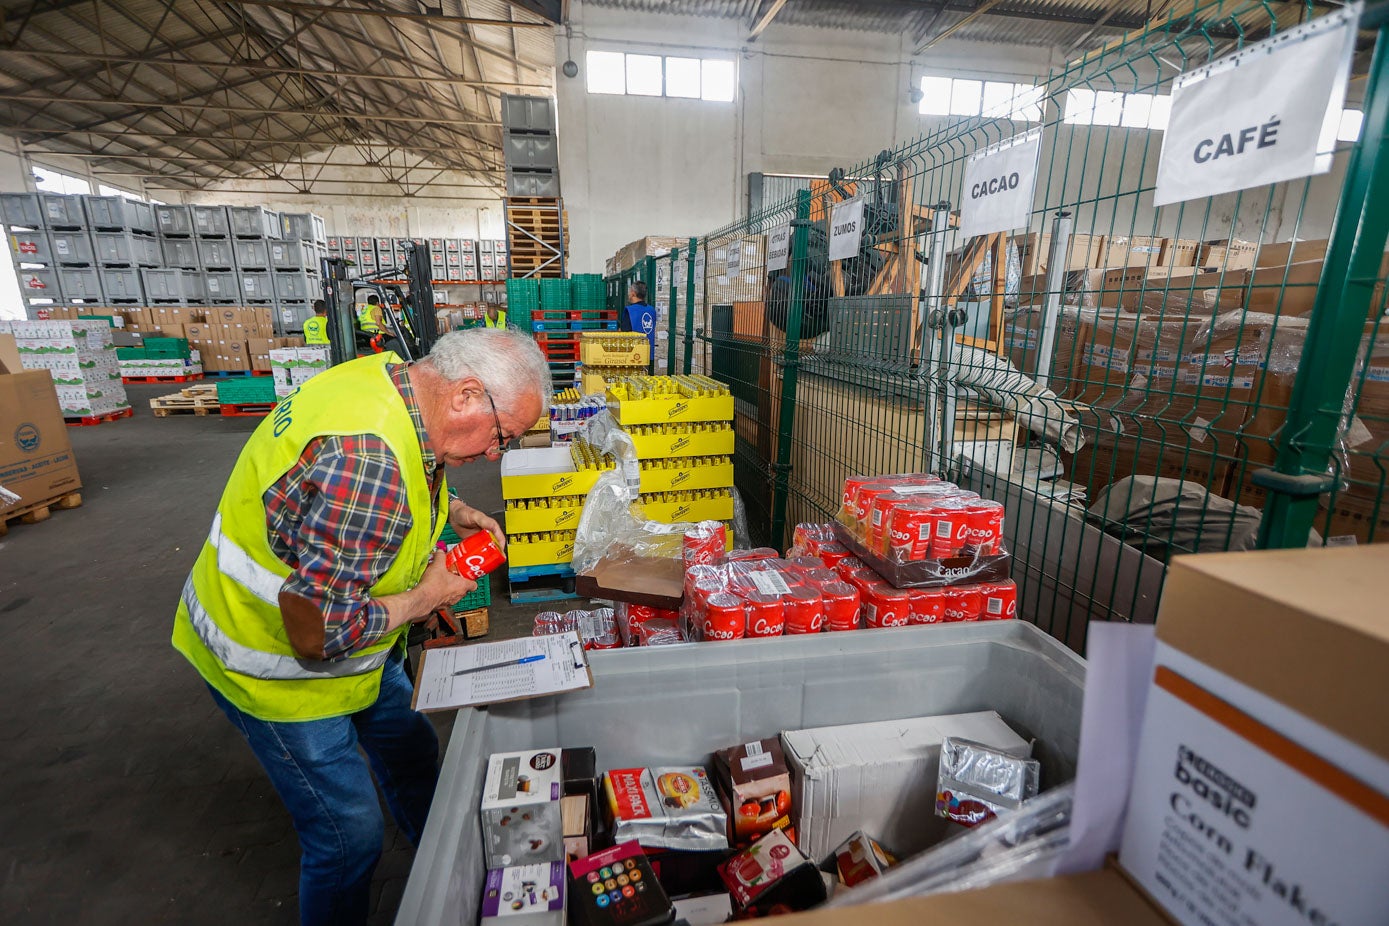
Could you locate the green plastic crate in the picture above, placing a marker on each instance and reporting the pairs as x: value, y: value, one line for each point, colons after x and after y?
x: 167, y: 348
x: 588, y: 292
x: 250, y: 390
x: 131, y: 353
x: 481, y: 597
x: 555, y: 295
x: 522, y: 296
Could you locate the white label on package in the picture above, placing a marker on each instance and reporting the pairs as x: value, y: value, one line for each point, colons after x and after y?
x: 758, y: 761
x: 779, y: 247
x: 846, y: 228
x: 999, y: 182
x: 1262, y: 115
x: 769, y: 582
x: 1233, y: 822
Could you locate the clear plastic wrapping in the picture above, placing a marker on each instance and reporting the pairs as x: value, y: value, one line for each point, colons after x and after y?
x: 1025, y: 844
x: 597, y: 629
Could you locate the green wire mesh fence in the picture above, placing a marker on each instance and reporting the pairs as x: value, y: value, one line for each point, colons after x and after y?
x: 1132, y: 382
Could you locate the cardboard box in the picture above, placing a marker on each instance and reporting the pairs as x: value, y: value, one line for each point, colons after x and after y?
x: 755, y: 785
x: 1133, y: 251
x: 1263, y: 761
x: 879, y: 777
x: 36, y: 461
x: 1180, y: 252
x: 521, y: 818
x: 1289, y: 252
x: 772, y: 875
x: 235, y: 354
x: 260, y: 349
x: 1229, y: 254
x: 526, y: 895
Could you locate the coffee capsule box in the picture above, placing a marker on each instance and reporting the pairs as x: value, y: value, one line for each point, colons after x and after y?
x: 522, y: 822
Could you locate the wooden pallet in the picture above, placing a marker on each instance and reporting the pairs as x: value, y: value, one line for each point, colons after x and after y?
x: 193, y: 400
x: 39, y: 511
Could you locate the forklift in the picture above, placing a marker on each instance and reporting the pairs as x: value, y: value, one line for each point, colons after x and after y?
x: 410, y: 327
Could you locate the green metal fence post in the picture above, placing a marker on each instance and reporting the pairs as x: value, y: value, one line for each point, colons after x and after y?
x: 690, y: 305
x: 1351, y: 269
x: 674, y: 308
x: 790, y: 367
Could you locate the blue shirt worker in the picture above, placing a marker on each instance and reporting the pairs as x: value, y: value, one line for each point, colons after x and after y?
x: 639, y: 316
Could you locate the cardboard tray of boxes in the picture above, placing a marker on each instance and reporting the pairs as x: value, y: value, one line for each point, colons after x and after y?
x: 37, y: 466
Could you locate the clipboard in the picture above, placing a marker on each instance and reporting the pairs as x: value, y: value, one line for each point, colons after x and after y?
x: 564, y: 668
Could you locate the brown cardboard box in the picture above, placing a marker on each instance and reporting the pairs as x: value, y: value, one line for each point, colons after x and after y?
x: 223, y: 314
x: 293, y: 341
x: 1288, y: 252
x: 1180, y: 252
x: 1268, y: 672
x: 1086, y: 251
x: 1132, y: 251
x: 9, y: 355
x: 1229, y: 254
x: 1105, y: 363
x: 235, y: 354
x: 198, y: 331
x: 36, y: 461
x: 260, y: 352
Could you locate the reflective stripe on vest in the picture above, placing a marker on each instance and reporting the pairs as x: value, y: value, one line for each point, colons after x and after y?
x: 268, y: 666
x: 235, y: 563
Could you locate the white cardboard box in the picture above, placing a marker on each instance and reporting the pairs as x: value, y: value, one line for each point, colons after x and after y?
x: 1262, y: 786
x: 879, y: 778
x: 521, y: 820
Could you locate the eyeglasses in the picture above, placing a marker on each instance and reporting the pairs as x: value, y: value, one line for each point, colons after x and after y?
x: 500, y: 447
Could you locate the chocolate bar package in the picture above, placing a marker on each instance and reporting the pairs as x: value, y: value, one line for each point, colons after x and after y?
x: 756, y: 786
x: 665, y: 808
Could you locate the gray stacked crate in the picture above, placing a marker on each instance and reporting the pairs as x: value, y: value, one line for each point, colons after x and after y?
x: 295, y: 266
x: 208, y: 232
x: 366, y: 255
x: 255, y: 222
x: 31, y: 249
x: 179, y: 280
x: 468, y: 258
x: 122, y: 233
x: 530, y: 146
x: 79, y: 274
x: 438, y: 266
x: 385, y: 254
x: 453, y: 260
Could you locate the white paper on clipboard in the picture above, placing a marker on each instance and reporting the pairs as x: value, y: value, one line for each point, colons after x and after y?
x: 563, y: 668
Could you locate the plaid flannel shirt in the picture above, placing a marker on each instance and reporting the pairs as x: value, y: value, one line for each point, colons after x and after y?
x: 338, y: 518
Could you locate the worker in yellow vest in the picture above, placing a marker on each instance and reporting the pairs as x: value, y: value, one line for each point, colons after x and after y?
x: 496, y: 316
x: 316, y: 328
x: 369, y: 316
x: 321, y: 553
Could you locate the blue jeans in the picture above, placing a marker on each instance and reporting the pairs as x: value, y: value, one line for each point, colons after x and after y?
x: 315, y: 767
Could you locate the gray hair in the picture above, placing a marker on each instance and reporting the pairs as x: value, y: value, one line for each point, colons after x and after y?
x: 506, y: 360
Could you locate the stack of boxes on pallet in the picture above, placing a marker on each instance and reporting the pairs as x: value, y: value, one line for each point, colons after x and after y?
x: 291, y: 367
x: 544, y: 490
x: 81, y: 358
x: 721, y: 289
x: 1180, y: 357
x: 112, y: 251
x: 159, y: 358
x: 682, y: 428
x: 536, y: 225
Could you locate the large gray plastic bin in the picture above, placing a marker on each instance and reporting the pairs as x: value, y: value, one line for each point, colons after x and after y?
x: 674, y: 705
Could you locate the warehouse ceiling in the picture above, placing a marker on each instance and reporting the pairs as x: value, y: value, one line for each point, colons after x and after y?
x: 1071, y: 26
x: 186, y: 94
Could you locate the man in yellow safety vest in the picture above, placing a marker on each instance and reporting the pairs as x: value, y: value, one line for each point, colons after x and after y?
x: 496, y: 316
x: 316, y: 328
x: 369, y: 316
x: 321, y: 553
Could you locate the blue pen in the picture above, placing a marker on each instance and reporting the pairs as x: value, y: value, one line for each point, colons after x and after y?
x: 502, y: 665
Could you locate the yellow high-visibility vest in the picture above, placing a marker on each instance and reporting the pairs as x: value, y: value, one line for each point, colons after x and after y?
x: 228, y: 623
x: 499, y: 323
x: 365, y: 321
x: 315, y: 330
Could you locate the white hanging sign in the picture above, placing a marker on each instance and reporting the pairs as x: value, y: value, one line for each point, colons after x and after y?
x: 846, y: 228
x: 1262, y: 115
x: 735, y: 257
x: 779, y: 247
x: 999, y: 182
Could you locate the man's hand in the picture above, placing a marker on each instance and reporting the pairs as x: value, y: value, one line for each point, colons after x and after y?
x: 437, y: 588
x: 467, y: 521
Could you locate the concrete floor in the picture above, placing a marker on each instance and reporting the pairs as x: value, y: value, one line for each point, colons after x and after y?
x: 128, y: 796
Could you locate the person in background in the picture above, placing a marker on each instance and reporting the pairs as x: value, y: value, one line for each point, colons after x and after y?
x: 316, y: 328
x: 321, y: 553
x: 496, y: 316
x: 369, y: 317
x: 639, y: 316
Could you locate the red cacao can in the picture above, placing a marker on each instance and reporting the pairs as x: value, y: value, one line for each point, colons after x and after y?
x: 849, y: 503
x: 985, y: 526
x: 725, y: 618
x: 805, y: 563
x: 848, y: 565
x: 863, y: 510
x: 1000, y: 600
x: 951, y: 527
x: 474, y: 556
x: 963, y: 603
x: 766, y: 616
x: 639, y: 614
x: 909, y: 532
x: 841, y: 605
x: 885, y: 606
x: 805, y: 611
x: 928, y: 605
x: 706, y: 588
x: 818, y: 577
x: 832, y: 553
x: 704, y: 544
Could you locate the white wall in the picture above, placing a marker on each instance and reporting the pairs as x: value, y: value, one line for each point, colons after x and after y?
x: 809, y: 100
